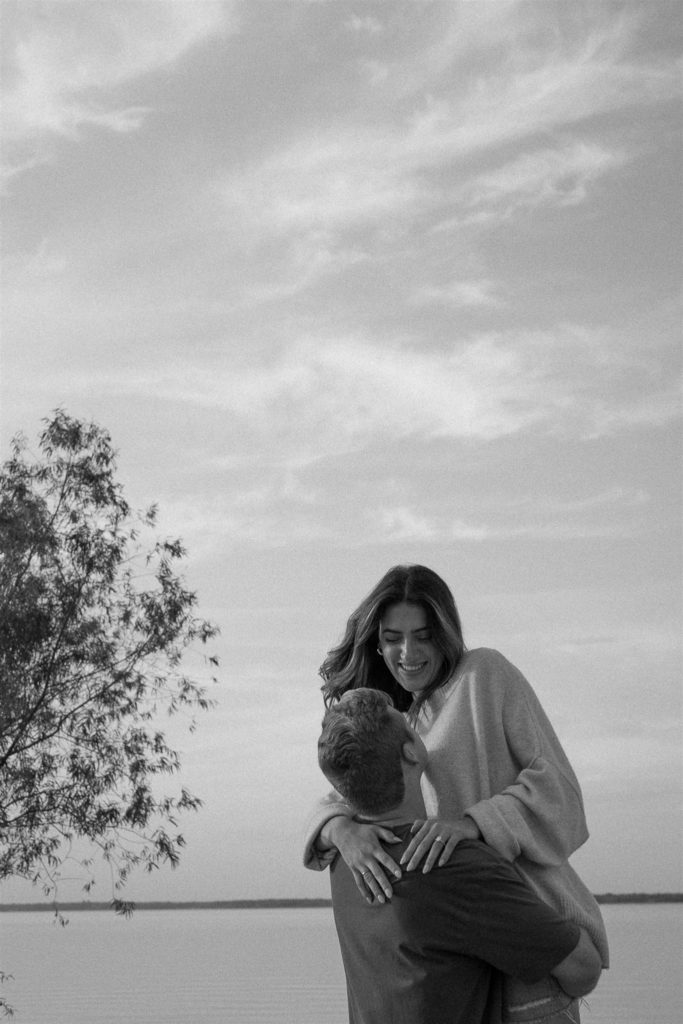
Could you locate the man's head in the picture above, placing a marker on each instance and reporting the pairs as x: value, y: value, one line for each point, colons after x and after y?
x: 363, y: 748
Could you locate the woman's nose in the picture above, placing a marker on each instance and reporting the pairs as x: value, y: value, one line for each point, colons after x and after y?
x: 407, y: 647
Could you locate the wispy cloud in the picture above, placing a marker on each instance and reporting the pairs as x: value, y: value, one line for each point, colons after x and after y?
x: 69, y: 61
x: 367, y: 23
x: 325, y: 396
x: 401, y: 524
x: 607, y: 514
x: 503, y: 50
x: 442, y: 155
x: 283, y: 510
x: 561, y: 176
x: 459, y: 294
x: 335, y: 182
x: 265, y: 517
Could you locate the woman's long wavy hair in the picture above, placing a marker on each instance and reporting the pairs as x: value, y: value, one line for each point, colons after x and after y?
x: 355, y: 661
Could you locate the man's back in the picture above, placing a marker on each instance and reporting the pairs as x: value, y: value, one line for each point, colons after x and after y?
x: 432, y: 955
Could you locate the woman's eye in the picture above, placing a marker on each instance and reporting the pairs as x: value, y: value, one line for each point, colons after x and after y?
x: 419, y: 638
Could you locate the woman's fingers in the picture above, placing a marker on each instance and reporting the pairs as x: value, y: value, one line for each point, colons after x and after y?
x: 384, y: 861
x: 432, y: 842
x: 369, y: 862
x: 387, y: 836
x: 420, y: 851
x: 448, y: 850
x: 417, y: 847
x: 380, y: 865
x: 438, y: 845
x: 364, y: 888
x: 373, y: 884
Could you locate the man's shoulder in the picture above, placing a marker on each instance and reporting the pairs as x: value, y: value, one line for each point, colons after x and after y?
x: 472, y: 866
x: 472, y: 855
x: 472, y: 861
x: 468, y: 854
x: 475, y: 851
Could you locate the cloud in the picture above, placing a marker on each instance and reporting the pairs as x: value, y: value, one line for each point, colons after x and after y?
x: 596, y: 515
x: 615, y: 497
x: 384, y: 180
x: 368, y: 24
x: 457, y: 33
x: 320, y: 397
x: 458, y: 294
x: 211, y: 524
x: 327, y: 183
x: 311, y: 259
x: 402, y: 524
x: 283, y: 510
x: 501, y: 52
x: 443, y: 152
x: 549, y: 177
x: 67, y: 61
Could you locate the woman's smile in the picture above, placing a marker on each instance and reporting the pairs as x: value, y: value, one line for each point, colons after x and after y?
x: 412, y: 668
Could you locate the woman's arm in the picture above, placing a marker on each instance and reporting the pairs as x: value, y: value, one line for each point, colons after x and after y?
x: 538, y: 811
x: 492, y: 725
x: 317, y: 855
x: 540, y: 816
x: 332, y: 830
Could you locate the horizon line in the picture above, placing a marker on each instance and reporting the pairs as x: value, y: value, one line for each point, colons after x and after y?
x: 279, y: 903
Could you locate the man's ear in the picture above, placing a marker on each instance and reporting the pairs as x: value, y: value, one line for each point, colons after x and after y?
x: 408, y: 752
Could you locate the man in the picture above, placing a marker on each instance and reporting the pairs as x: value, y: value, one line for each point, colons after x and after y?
x: 435, y: 953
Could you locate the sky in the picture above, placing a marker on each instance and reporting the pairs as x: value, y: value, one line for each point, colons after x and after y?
x: 353, y: 284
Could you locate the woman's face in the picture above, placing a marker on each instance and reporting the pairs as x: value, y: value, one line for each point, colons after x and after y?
x: 405, y: 640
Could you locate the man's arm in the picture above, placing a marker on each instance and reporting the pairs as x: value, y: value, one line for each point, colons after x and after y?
x: 579, y: 973
x: 485, y: 909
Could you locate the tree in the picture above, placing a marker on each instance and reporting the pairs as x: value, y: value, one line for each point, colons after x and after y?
x: 94, y: 630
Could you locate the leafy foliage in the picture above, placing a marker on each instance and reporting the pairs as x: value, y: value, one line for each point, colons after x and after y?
x: 93, y: 632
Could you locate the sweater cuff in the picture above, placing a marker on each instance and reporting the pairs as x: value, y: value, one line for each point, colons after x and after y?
x: 494, y: 829
x: 315, y: 857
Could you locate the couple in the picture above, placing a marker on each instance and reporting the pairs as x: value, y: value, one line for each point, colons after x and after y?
x: 468, y: 938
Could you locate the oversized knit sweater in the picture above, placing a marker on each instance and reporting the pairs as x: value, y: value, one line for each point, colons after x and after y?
x: 494, y: 756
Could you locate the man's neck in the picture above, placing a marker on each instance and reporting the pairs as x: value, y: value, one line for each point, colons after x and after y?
x: 411, y: 807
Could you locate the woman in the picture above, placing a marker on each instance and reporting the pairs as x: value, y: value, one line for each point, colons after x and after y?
x: 496, y: 771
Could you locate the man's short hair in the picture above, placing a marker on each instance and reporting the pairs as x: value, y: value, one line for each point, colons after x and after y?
x: 359, y: 750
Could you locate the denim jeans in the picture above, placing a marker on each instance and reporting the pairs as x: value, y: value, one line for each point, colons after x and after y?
x: 541, y: 1003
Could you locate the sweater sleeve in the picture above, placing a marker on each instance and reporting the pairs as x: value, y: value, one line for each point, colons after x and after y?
x: 539, y: 815
x: 328, y: 807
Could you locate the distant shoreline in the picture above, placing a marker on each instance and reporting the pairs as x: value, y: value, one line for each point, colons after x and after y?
x: 303, y: 904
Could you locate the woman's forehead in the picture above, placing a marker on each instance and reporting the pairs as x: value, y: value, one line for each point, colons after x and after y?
x: 404, y: 617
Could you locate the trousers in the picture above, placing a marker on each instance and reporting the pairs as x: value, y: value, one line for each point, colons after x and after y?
x: 544, y: 1002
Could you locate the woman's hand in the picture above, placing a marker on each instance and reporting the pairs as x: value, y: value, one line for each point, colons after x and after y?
x: 359, y: 845
x: 436, y: 839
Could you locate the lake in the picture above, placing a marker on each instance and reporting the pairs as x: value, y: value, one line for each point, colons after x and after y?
x: 269, y: 966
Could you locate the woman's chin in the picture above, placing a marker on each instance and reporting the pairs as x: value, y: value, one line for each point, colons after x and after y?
x: 414, y: 682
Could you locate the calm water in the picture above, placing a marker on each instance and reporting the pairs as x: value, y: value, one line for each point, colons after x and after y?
x: 270, y: 967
